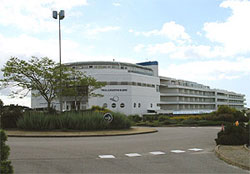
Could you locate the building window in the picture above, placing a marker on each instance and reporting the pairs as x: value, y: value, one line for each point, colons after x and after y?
x: 105, y: 105
x: 139, y: 105
x: 157, y: 88
x: 124, y: 83
x: 151, y: 105
x: 122, y: 105
x: 113, y: 83
x: 134, y: 105
x: 113, y: 105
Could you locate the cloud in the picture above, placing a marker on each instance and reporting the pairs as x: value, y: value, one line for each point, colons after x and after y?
x: 25, y: 46
x: 96, y: 30
x: 176, y: 51
x: 35, y: 16
x: 225, y: 39
x: 233, y: 34
x: 171, y: 30
x: 139, y: 47
x: 209, y: 70
x: 117, y: 4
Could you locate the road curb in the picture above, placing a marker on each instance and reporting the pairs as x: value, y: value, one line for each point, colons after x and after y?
x: 47, y: 134
x: 229, y: 161
x: 246, y: 148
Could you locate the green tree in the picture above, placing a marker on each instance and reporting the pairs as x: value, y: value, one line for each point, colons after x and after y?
x: 81, y: 86
x: 42, y: 76
x: 1, y: 103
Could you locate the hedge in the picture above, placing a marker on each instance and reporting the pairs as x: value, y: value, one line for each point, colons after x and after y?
x: 5, y: 166
x: 72, y: 120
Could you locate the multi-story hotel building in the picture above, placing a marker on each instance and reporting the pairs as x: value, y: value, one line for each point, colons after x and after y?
x: 180, y: 96
x: 138, y: 89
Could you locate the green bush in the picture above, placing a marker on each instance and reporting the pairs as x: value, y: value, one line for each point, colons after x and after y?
x: 10, y: 115
x: 120, y: 121
x: 225, y: 110
x: 150, y: 118
x: 72, y: 120
x: 225, y: 113
x: 189, y: 121
x: 135, y: 118
x: 163, y: 118
x: 6, y: 166
x: 154, y: 123
x: 233, y: 135
x: 168, y: 122
x: 209, y: 123
x: 100, y: 109
x: 239, y: 116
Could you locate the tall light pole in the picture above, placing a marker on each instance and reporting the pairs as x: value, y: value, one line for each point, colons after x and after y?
x: 61, y: 15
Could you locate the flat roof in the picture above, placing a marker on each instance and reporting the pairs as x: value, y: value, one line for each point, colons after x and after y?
x: 107, y: 63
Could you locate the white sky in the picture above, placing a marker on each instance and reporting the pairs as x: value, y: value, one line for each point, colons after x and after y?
x: 204, y: 41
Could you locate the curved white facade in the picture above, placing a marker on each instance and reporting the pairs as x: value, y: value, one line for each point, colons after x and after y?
x: 137, y: 89
x: 130, y: 89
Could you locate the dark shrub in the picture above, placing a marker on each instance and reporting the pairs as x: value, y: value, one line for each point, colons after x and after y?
x: 150, y: 118
x: 209, y: 123
x: 227, y: 114
x: 225, y: 110
x: 10, y: 115
x: 233, y: 135
x: 135, y: 118
x: 239, y: 116
x: 5, y: 166
x: 170, y: 121
x: 189, y: 121
x: 225, y: 117
x: 120, y: 121
x: 163, y: 118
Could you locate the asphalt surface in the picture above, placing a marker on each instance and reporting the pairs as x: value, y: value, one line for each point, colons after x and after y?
x: 82, y: 155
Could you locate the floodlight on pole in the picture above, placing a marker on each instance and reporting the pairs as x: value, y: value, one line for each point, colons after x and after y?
x: 61, y: 15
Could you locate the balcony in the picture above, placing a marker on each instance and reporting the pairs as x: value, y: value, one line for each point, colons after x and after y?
x: 186, y: 95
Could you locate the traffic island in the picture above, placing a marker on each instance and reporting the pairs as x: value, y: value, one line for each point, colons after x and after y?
x: 234, y: 155
x: 68, y: 133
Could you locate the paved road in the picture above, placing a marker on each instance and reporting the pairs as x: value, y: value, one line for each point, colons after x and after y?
x: 126, y: 154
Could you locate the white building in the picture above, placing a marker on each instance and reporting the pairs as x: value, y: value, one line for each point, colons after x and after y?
x: 138, y: 89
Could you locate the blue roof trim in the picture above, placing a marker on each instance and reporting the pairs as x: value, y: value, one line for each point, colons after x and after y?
x: 148, y: 63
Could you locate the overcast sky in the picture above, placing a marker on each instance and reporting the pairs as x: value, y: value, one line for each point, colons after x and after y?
x: 206, y: 41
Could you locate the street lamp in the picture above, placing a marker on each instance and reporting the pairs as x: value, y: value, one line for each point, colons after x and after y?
x: 61, y: 15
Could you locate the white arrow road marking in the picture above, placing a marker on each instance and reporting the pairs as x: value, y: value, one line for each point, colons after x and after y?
x: 157, y: 153
x: 177, y: 151
x: 106, y: 156
x: 133, y: 154
x: 195, y: 149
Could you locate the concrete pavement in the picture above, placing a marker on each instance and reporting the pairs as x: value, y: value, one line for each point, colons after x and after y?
x: 170, y: 150
x: 235, y: 155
